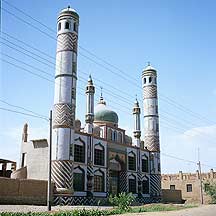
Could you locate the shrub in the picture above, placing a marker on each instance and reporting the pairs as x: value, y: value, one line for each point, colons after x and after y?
x: 210, y: 189
x: 122, y: 200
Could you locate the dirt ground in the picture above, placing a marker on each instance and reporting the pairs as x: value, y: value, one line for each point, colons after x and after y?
x: 205, y: 210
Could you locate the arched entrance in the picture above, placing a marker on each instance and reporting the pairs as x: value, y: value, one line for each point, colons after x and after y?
x: 116, y: 169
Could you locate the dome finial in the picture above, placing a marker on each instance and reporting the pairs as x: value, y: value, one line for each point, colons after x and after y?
x: 101, y: 95
x: 101, y: 101
x: 90, y: 79
x: 149, y: 63
x: 68, y: 7
x: 136, y: 102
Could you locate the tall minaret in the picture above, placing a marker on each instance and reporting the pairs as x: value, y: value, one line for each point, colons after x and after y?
x: 65, y: 81
x: 151, y: 127
x: 65, y: 99
x: 137, y: 131
x: 150, y: 102
x: 89, y: 117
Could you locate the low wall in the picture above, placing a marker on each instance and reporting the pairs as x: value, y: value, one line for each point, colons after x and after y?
x: 23, y: 191
x: 171, y: 196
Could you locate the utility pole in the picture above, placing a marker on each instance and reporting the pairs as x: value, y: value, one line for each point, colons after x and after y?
x: 200, y: 178
x: 49, y: 164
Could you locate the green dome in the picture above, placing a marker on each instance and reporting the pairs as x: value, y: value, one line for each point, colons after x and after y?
x: 105, y: 115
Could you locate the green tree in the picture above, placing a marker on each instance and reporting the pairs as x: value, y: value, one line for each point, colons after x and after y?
x: 210, y: 189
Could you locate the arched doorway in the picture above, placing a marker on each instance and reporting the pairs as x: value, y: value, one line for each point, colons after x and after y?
x: 115, y: 169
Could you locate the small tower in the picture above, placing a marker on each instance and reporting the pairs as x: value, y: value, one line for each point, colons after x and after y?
x: 25, y: 133
x: 150, y: 103
x: 89, y: 117
x: 137, y: 131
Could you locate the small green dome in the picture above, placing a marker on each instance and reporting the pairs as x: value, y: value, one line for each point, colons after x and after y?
x: 105, y: 115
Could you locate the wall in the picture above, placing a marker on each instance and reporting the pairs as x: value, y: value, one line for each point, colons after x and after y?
x: 171, y: 196
x: 181, y: 180
x: 36, y: 159
x: 23, y: 191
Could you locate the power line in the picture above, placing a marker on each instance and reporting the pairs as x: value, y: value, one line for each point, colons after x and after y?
x: 15, y: 106
x: 165, y: 98
x: 27, y: 114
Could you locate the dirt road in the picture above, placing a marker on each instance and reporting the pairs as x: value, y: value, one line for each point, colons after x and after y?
x: 205, y: 210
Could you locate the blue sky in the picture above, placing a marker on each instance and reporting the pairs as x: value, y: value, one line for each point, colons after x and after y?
x: 177, y: 37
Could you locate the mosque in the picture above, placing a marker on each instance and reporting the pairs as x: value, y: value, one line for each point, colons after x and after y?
x: 98, y: 159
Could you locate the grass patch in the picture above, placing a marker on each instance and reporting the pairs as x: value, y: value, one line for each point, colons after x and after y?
x: 98, y: 212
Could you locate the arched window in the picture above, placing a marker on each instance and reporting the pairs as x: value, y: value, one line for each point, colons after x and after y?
x: 75, y: 26
x: 145, y: 186
x: 114, y: 136
x: 109, y: 134
x: 145, y: 164
x: 79, y: 179
x: 150, y: 79
x: 120, y: 137
x: 99, y: 181
x: 132, y: 184
x: 144, y: 80
x: 79, y: 151
x: 67, y: 25
x: 132, y: 161
x: 59, y: 26
x: 99, y: 155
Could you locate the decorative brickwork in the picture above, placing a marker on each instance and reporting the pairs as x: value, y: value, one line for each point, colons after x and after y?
x: 63, y: 116
x: 62, y: 173
x: 152, y: 143
x: 67, y: 41
x: 150, y: 92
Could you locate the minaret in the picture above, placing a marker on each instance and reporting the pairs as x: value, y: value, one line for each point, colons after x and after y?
x: 65, y: 81
x: 65, y: 99
x: 89, y: 117
x: 137, y: 131
x: 150, y: 103
x: 151, y: 128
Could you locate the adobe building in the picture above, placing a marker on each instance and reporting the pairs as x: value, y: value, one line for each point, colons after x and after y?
x: 189, y: 184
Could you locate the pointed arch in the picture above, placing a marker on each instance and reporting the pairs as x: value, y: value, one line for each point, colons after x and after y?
x: 132, y: 183
x: 78, y: 179
x: 99, y: 154
x: 99, y: 180
x: 132, y: 161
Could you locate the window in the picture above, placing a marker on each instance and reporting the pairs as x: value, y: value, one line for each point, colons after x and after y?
x: 145, y: 186
x: 189, y: 187
x: 78, y: 181
x: 150, y: 79
x: 79, y: 153
x: 59, y: 26
x: 75, y: 27
x: 159, y: 169
x: 99, y: 155
x: 109, y: 134
x: 114, y: 136
x: 23, y: 160
x: 132, y: 185
x: 67, y: 25
x: 172, y: 187
x: 145, y: 165
x: 98, y: 183
x: 132, y: 162
x: 120, y: 137
x: 144, y: 80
